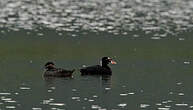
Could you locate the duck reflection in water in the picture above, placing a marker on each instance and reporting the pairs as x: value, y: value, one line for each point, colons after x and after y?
x: 104, y: 81
x: 52, y: 81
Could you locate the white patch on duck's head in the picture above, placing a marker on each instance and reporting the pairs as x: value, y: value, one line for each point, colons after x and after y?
x: 100, y: 62
x: 111, y: 61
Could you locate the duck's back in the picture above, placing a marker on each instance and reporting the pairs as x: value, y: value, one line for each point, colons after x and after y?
x: 95, y: 70
x: 58, y: 72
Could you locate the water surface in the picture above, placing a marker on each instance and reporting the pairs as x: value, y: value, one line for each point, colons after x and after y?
x: 150, y: 39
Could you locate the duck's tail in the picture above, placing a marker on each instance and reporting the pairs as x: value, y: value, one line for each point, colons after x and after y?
x: 73, y: 70
x: 77, y: 70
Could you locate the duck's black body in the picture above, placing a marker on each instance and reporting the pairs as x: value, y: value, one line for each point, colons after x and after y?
x: 96, y: 70
x: 99, y: 69
x: 51, y: 71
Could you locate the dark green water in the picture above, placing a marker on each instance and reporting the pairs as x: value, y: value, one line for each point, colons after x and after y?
x: 150, y: 74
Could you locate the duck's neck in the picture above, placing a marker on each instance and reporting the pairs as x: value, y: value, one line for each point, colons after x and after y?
x: 105, y: 65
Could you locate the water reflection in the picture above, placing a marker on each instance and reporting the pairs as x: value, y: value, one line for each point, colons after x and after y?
x: 113, y: 16
x: 8, y: 100
x: 105, y: 80
x: 50, y: 81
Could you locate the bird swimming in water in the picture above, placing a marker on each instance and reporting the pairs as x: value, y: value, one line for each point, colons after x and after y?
x: 102, y: 69
x: 52, y: 71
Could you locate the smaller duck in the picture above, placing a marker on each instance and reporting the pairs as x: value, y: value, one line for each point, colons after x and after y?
x: 102, y: 69
x: 52, y: 71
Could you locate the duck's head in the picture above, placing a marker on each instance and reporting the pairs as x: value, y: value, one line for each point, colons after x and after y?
x: 49, y: 65
x: 107, y: 60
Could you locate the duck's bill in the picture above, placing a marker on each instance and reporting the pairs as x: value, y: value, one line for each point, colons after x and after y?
x: 113, y: 62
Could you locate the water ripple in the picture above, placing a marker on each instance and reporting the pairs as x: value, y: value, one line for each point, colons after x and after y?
x: 113, y: 16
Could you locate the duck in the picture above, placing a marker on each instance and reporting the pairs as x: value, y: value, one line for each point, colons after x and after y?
x: 102, y: 69
x: 52, y: 71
